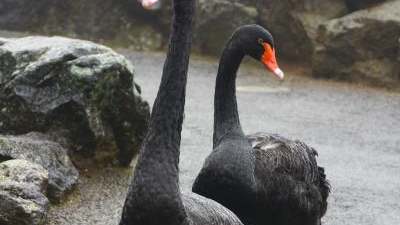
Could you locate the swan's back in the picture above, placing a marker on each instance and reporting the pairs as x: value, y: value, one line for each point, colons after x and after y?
x: 277, y: 154
x: 204, y: 211
x: 291, y: 165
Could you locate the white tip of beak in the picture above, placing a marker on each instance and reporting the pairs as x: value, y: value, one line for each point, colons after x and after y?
x: 279, y: 73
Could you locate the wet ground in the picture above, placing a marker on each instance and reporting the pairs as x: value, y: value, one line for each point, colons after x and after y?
x: 355, y: 129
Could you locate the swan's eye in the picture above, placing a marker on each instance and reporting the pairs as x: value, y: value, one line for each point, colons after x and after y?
x: 260, y: 41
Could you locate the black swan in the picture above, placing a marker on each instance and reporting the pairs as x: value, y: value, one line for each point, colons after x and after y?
x: 154, y: 197
x: 262, y: 178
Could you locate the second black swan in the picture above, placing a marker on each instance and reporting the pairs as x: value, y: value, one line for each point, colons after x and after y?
x: 263, y: 178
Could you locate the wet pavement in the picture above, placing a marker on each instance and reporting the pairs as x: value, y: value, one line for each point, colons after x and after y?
x: 354, y: 128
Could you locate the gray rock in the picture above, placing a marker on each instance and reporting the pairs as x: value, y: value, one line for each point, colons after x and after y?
x: 361, y: 46
x: 23, y: 186
x: 73, y: 88
x: 293, y: 24
x: 216, y: 21
x: 37, y: 148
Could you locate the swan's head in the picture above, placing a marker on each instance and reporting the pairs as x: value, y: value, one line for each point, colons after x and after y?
x: 257, y: 42
x: 151, y: 4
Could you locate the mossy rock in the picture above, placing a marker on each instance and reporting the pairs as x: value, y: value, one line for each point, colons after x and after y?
x: 74, y: 88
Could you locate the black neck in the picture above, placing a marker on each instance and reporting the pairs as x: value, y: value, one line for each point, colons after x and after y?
x: 155, y: 186
x: 226, y: 117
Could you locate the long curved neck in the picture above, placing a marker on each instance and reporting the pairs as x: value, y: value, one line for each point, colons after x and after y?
x: 154, y: 195
x: 226, y: 117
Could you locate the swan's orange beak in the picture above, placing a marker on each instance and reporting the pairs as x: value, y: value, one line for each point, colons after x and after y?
x: 269, y: 60
x: 148, y: 4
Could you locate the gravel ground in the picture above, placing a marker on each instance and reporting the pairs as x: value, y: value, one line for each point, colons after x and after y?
x: 354, y: 128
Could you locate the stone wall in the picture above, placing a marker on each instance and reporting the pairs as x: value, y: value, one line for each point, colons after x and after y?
x: 303, y: 29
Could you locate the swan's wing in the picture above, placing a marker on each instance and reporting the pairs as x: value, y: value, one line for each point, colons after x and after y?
x: 278, y: 155
x: 204, y: 211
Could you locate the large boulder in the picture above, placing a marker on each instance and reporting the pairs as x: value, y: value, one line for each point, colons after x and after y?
x: 37, y: 148
x: 294, y: 23
x: 23, y: 186
x: 73, y: 88
x: 217, y: 20
x: 361, y: 46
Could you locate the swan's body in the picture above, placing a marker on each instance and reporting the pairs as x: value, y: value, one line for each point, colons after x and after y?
x: 154, y: 197
x: 263, y: 179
